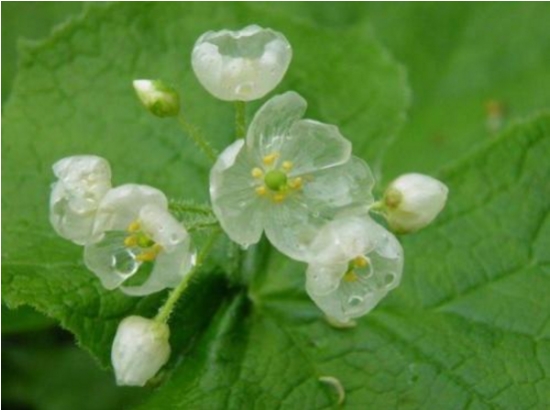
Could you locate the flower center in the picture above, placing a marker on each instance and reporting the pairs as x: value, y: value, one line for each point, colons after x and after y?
x: 147, y: 248
x: 275, y: 182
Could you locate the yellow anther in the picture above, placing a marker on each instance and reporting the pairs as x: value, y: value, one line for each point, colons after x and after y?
x: 270, y: 159
x: 350, y: 276
x: 134, y: 227
x: 287, y: 165
x: 257, y: 173
x: 261, y: 190
x: 278, y: 198
x: 130, y: 241
x: 147, y: 256
x: 295, y: 183
x: 360, y: 262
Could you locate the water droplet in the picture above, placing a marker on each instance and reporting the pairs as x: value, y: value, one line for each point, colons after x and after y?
x: 174, y: 238
x: 355, y: 301
x: 124, y: 263
x: 390, y: 280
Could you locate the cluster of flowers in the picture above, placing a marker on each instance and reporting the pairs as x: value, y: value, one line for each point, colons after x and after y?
x: 293, y: 179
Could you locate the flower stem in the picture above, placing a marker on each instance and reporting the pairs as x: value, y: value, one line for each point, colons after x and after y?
x: 197, y: 138
x: 188, y: 206
x: 166, y: 310
x: 240, y: 119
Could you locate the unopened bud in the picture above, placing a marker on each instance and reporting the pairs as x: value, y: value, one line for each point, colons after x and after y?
x: 159, y: 99
x: 412, y: 201
x: 140, y: 349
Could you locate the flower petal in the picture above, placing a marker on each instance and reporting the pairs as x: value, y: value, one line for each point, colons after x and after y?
x: 271, y: 125
x: 122, y: 205
x: 162, y: 227
x: 314, y: 146
x: 234, y: 200
x: 344, y: 186
x: 169, y: 270
x: 110, y: 260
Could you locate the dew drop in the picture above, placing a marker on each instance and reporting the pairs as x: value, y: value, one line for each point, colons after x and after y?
x: 124, y: 263
x: 389, y: 280
x: 355, y: 301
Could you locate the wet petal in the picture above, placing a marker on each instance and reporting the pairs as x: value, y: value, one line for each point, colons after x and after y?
x: 110, y: 260
x: 234, y: 199
x: 122, y: 205
x: 169, y: 270
x: 314, y: 146
x: 271, y: 125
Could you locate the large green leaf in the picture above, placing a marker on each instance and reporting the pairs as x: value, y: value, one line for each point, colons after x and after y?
x: 468, y: 327
x: 473, y: 69
x: 73, y: 95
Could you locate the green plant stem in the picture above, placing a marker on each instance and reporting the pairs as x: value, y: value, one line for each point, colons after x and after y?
x: 176, y: 206
x: 197, y: 138
x: 166, y: 310
x: 240, y: 119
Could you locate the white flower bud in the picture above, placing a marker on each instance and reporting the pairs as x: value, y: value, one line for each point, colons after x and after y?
x: 140, y: 349
x: 159, y: 99
x: 412, y: 201
x: 241, y: 65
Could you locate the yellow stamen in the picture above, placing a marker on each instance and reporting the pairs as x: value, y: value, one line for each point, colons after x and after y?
x: 360, y: 262
x: 130, y: 241
x: 350, y: 276
x: 257, y: 173
x: 287, y: 165
x: 261, y: 190
x: 148, y: 256
x: 270, y: 159
x: 296, y: 183
x: 134, y: 227
x: 157, y: 248
x: 279, y: 198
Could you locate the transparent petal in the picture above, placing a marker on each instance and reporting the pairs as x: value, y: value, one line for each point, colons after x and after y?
x: 324, y: 279
x: 162, y: 227
x: 314, y: 146
x: 344, y: 186
x: 234, y: 199
x: 122, y: 205
x: 241, y: 65
x: 291, y: 226
x: 169, y: 270
x: 83, y: 181
x: 271, y: 125
x: 110, y: 260
x: 69, y: 223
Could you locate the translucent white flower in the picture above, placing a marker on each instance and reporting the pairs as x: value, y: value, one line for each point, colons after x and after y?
x: 412, y: 201
x: 241, y: 65
x: 288, y: 178
x: 133, y: 231
x: 356, y: 263
x: 139, y: 350
x: 83, y: 180
x: 159, y: 99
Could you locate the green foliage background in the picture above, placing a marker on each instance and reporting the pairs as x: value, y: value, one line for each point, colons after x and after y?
x: 409, y: 85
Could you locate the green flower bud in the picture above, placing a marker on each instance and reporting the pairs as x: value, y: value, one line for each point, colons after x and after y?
x: 159, y: 99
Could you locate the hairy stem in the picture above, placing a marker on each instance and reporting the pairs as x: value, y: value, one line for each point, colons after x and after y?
x: 166, y: 310
x: 240, y: 119
x: 194, y: 133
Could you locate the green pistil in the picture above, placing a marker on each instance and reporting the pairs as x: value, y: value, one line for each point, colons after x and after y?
x: 276, y: 180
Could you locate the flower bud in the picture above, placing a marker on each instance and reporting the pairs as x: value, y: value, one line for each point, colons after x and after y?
x: 412, y: 201
x: 159, y: 99
x: 140, y: 349
x: 241, y: 65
